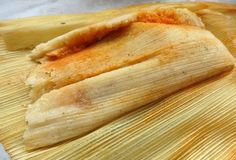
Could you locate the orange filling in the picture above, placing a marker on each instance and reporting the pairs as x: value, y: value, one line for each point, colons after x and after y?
x: 165, y: 16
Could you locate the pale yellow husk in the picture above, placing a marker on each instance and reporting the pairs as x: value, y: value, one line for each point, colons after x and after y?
x: 221, y: 22
x: 195, y: 123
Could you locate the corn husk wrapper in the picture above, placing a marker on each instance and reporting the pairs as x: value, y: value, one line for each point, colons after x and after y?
x: 195, y: 123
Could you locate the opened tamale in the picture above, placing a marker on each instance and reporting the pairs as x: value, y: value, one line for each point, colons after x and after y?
x: 81, y: 107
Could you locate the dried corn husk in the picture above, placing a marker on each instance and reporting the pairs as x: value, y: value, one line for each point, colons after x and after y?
x: 222, y: 25
x: 195, y: 123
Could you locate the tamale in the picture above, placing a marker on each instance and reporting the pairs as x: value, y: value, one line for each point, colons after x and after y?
x: 76, y: 109
x: 153, y: 50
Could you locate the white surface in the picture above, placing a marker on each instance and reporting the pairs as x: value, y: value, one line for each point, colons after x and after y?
x: 3, y: 154
x: 10, y: 9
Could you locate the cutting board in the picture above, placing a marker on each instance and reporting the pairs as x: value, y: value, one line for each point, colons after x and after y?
x: 197, y: 122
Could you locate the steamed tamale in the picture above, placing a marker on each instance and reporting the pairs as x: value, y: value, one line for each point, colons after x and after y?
x: 155, y: 70
x: 105, y: 70
x: 78, y: 108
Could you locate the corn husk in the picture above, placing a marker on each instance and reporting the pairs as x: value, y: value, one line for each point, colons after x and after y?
x: 222, y: 25
x: 194, y: 123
